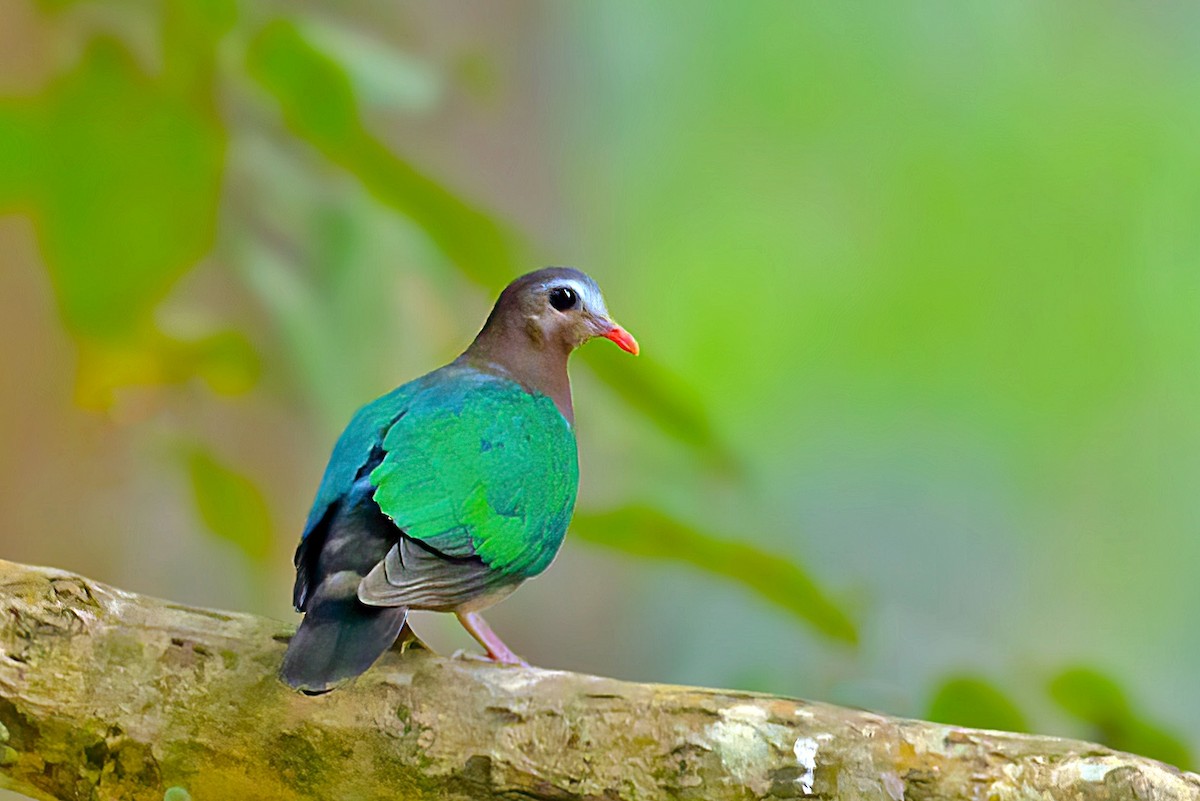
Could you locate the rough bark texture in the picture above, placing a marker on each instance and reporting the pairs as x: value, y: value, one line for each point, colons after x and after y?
x: 107, y: 695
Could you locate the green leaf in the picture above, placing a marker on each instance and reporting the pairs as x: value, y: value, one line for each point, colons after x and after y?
x: 383, y: 76
x: 318, y: 101
x: 120, y: 171
x: 314, y: 92
x: 1150, y: 739
x: 19, y: 152
x: 190, y: 32
x: 319, y: 104
x: 650, y: 534
x: 127, y: 192
x: 1089, y: 695
x: 663, y: 398
x: 225, y: 360
x: 975, y: 702
x: 230, y: 504
x: 1098, y: 700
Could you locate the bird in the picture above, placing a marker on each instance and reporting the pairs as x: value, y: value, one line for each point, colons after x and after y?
x: 451, y: 490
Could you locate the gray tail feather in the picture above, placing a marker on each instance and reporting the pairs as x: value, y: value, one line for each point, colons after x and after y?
x: 338, y: 640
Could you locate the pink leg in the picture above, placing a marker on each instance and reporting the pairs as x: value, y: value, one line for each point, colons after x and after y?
x: 478, y: 628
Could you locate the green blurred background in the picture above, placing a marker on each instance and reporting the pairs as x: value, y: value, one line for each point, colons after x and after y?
x: 917, y: 285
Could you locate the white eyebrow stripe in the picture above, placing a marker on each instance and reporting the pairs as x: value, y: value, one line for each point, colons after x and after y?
x: 591, y: 297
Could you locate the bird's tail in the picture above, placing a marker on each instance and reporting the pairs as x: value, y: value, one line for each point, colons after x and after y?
x: 338, y: 639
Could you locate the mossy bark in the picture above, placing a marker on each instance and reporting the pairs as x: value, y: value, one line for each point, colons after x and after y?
x: 108, y: 695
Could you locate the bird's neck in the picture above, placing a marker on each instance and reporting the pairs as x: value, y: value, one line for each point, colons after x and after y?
x: 536, y: 364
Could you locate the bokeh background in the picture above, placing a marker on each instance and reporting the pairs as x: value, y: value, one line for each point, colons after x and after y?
x: 917, y: 286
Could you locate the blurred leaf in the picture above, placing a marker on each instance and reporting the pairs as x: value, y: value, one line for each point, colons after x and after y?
x: 319, y: 104
x: 120, y: 172
x: 191, y: 29
x: 383, y: 76
x: 225, y: 360
x: 127, y: 190
x: 1149, y: 739
x: 56, y: 5
x: 18, y: 153
x: 975, y: 702
x: 650, y: 534
x: 106, y: 366
x: 652, y: 390
x: 1099, y: 701
x: 1089, y: 695
x: 230, y: 505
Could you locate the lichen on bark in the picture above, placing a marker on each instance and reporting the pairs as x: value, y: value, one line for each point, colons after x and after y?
x: 109, y: 695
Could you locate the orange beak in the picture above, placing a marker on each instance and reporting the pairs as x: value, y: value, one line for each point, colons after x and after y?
x: 623, y: 338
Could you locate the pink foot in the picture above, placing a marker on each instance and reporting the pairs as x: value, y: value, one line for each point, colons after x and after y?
x: 478, y: 628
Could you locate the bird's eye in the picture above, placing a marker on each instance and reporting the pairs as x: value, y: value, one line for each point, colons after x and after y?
x: 563, y: 298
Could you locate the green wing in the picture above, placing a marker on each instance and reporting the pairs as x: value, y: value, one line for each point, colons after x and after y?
x: 354, y: 447
x: 478, y: 466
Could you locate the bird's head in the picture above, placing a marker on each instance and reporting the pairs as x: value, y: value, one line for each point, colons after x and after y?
x: 559, y: 308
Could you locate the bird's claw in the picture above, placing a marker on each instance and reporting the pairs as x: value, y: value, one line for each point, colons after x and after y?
x: 464, y: 655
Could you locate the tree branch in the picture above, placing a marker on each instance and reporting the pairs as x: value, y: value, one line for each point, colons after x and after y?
x: 107, y: 695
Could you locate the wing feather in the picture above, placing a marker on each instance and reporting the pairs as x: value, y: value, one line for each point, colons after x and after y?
x: 413, y: 576
x: 484, y: 469
x: 477, y: 475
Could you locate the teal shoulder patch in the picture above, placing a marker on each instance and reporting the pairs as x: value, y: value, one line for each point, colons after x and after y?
x: 478, y: 465
x: 353, y: 449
